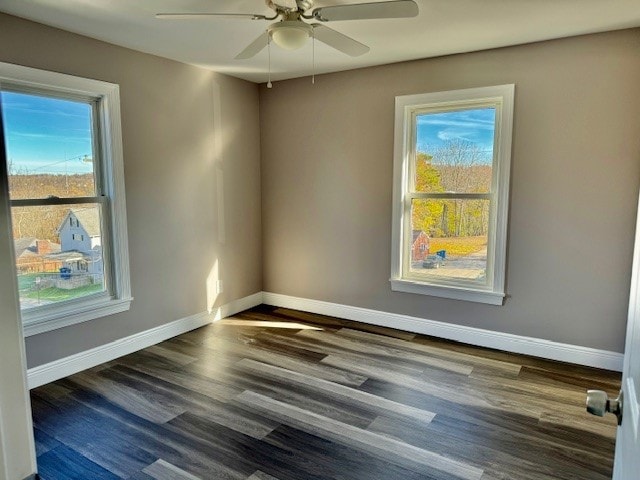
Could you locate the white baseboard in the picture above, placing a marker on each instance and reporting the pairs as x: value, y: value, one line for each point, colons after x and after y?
x: 536, y: 347
x: 231, y: 308
x: 64, y: 367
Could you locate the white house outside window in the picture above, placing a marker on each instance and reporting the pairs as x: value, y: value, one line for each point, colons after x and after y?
x: 451, y: 183
x: 61, y: 149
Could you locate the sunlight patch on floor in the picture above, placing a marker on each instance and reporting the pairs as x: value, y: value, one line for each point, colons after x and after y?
x: 260, y: 323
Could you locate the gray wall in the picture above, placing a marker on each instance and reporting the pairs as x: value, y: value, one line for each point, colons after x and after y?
x: 185, y: 131
x: 327, y: 153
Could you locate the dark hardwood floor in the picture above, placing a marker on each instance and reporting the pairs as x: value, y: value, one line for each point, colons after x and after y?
x: 278, y: 394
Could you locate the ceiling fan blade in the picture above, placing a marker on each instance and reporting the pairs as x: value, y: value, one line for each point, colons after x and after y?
x: 367, y: 11
x: 254, y: 47
x: 338, y: 40
x: 195, y: 15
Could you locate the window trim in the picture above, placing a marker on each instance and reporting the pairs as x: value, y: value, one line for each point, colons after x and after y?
x: 109, y: 135
x: 406, y: 107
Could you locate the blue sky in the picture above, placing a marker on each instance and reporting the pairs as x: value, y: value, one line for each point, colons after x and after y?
x: 477, y: 126
x: 47, y: 135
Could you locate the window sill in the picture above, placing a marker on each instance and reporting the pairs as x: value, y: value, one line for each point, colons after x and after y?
x: 35, y: 322
x: 456, y: 293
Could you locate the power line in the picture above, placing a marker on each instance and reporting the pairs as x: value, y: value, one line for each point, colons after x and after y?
x: 78, y: 157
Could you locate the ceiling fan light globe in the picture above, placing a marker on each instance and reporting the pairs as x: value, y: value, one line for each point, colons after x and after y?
x: 290, y: 36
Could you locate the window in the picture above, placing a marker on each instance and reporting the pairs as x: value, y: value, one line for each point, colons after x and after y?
x: 62, y: 153
x: 451, y: 183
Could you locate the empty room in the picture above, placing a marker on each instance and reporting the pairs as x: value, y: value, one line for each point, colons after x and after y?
x: 319, y: 240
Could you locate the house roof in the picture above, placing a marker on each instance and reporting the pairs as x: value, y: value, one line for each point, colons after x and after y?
x: 22, y: 245
x: 70, y: 256
x: 416, y: 234
x: 89, y: 218
x: 28, y: 247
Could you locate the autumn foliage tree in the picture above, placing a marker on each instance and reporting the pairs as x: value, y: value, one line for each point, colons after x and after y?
x: 458, y: 166
x: 426, y: 215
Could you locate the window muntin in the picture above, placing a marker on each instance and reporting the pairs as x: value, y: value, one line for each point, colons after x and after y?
x: 451, y: 179
x: 86, y: 114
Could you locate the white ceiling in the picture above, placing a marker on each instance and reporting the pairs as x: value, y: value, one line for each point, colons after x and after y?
x: 442, y: 27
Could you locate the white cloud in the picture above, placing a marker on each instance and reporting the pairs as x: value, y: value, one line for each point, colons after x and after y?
x: 473, y: 123
x: 453, y: 134
x: 51, y: 137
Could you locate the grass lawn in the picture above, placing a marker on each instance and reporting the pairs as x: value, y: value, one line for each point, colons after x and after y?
x: 27, y: 280
x: 458, y: 246
x: 54, y: 294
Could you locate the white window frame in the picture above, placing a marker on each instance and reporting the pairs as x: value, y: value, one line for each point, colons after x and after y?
x: 407, y: 107
x: 109, y: 149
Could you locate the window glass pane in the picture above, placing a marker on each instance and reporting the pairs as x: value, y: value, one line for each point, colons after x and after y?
x: 454, y: 151
x: 449, y: 239
x: 58, y: 253
x: 49, y: 146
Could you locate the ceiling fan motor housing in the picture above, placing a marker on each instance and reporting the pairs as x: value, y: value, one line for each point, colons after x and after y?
x: 290, y: 34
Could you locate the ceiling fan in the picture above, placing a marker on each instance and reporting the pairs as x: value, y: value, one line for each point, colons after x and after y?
x: 292, y: 30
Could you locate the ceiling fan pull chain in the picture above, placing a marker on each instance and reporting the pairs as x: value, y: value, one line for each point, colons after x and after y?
x: 269, y: 84
x: 313, y: 57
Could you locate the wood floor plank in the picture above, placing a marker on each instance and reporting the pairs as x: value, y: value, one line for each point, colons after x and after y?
x: 128, y: 397
x: 390, y: 364
x: 430, y: 350
x: 298, y: 365
x: 533, y: 444
x: 338, y: 391
x: 258, y: 475
x: 568, y: 381
x: 142, y: 476
x: 75, y: 426
x: 175, y: 357
x: 390, y: 449
x: 356, y: 345
x: 492, y: 451
x: 479, y: 455
x: 44, y: 442
x: 247, y: 453
x: 161, y: 470
x: 177, y: 446
x: 317, y: 319
x: 203, y: 385
x: 340, y: 461
x: 601, y: 426
x: 579, y: 371
x: 457, y: 394
x: 322, y: 404
x: 63, y: 463
x: 204, y: 406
